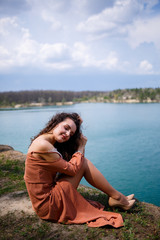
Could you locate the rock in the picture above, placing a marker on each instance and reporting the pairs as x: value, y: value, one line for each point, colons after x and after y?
x: 4, y: 148
x: 9, y: 153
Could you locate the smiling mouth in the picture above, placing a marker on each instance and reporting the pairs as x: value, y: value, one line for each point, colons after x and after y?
x: 64, y: 137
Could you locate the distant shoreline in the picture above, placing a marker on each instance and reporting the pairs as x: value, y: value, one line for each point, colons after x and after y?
x: 30, y: 105
x: 25, y: 99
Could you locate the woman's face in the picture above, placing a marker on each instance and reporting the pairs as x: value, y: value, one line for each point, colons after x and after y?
x: 64, y: 130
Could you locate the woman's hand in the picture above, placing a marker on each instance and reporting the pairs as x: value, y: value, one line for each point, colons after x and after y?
x: 83, y: 140
x: 82, y: 144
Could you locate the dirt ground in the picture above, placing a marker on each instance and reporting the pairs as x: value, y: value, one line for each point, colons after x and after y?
x: 18, y: 220
x: 19, y: 201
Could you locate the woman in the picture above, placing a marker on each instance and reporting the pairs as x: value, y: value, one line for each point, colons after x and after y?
x: 55, y: 197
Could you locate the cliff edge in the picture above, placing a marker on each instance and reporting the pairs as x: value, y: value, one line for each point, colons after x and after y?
x: 18, y: 220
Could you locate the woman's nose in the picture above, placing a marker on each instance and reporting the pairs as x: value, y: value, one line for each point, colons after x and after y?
x: 68, y: 133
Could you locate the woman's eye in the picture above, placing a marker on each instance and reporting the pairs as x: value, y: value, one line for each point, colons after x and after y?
x: 66, y: 128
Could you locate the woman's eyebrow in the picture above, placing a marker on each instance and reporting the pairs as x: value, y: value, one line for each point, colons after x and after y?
x: 72, y: 133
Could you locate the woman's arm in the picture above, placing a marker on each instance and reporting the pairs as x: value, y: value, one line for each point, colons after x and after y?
x: 44, y: 150
x: 71, y: 167
x: 82, y: 144
x: 60, y: 165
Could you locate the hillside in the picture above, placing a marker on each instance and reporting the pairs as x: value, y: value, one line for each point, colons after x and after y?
x: 43, y: 98
x: 18, y: 221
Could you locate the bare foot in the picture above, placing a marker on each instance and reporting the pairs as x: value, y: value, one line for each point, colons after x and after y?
x: 124, y: 202
x: 114, y: 203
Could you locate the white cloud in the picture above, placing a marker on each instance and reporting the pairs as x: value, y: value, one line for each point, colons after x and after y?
x: 19, y: 49
x: 129, y: 20
x: 3, y: 52
x: 6, y: 24
x: 55, y: 56
x: 54, y: 51
x: 144, y: 30
x: 26, y: 53
x: 58, y: 66
x: 150, y: 4
x: 95, y: 24
x: 48, y: 17
x: 111, y: 18
x: 5, y: 59
x: 60, y: 46
x: 145, y: 67
x: 17, y: 45
x: 112, y: 61
x: 81, y: 54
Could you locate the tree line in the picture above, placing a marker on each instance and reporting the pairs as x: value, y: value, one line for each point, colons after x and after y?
x: 141, y: 94
x: 12, y: 98
x: 43, y: 96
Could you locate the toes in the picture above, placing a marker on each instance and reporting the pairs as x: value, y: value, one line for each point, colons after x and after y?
x: 131, y: 202
x: 130, y: 197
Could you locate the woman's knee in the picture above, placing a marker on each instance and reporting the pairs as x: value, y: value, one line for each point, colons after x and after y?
x: 86, y: 164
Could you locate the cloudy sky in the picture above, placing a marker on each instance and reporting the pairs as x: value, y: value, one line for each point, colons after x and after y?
x: 79, y: 44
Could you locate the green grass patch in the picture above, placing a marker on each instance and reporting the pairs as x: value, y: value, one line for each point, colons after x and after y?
x: 24, y: 227
x: 139, y: 223
x: 94, y: 195
x: 11, y: 176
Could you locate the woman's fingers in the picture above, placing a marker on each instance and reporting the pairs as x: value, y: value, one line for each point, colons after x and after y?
x: 83, y: 140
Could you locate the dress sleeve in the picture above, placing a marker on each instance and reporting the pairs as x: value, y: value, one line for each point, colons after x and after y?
x: 70, y: 168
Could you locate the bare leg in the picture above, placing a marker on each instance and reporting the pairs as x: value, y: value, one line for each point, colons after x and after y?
x: 96, y: 179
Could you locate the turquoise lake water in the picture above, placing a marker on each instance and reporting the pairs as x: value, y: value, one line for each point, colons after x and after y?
x: 123, y: 141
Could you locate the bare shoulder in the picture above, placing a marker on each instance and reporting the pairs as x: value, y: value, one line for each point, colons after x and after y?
x: 41, y: 144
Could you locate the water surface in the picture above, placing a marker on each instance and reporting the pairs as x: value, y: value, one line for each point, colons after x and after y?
x: 123, y: 141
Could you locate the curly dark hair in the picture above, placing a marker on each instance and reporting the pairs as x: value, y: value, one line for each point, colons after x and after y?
x: 67, y: 149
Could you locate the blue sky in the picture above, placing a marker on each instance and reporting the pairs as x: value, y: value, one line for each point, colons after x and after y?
x: 79, y: 44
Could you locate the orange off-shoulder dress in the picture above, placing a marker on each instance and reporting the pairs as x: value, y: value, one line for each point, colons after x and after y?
x: 59, y: 201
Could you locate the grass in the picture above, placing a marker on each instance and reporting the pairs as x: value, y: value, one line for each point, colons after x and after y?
x: 24, y: 227
x: 31, y: 227
x: 139, y: 222
x: 11, y: 175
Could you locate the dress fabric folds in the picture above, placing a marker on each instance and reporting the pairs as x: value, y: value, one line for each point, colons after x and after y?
x: 59, y: 201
